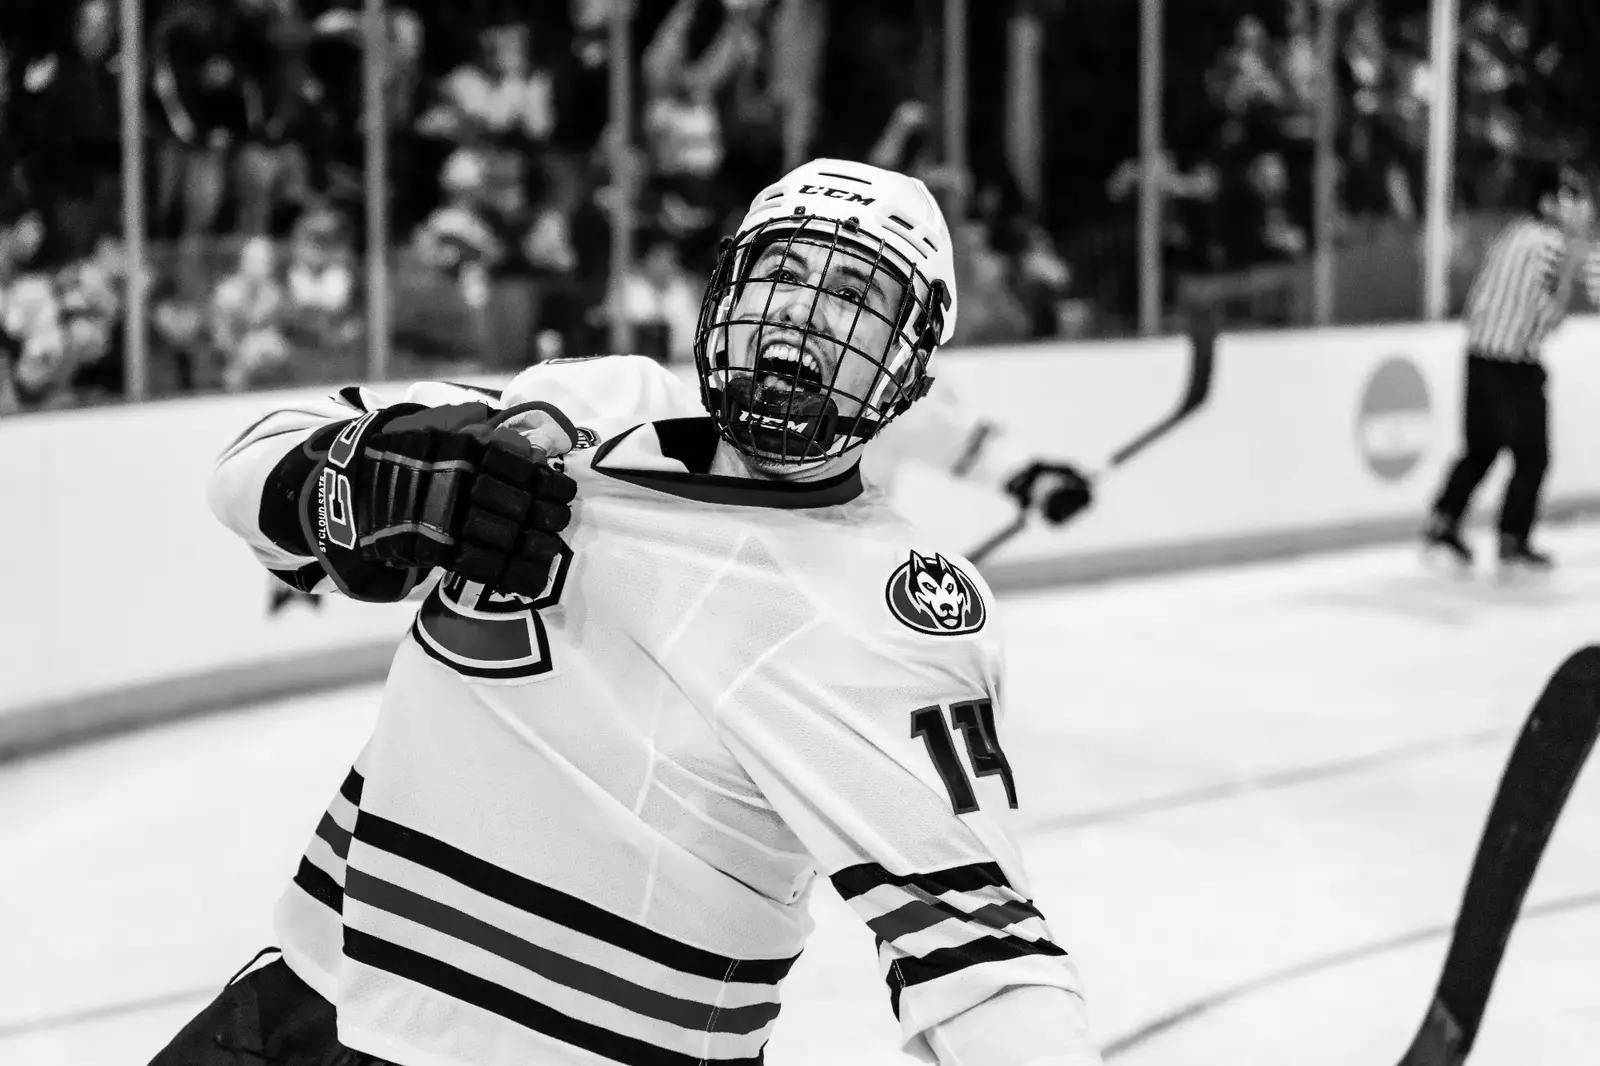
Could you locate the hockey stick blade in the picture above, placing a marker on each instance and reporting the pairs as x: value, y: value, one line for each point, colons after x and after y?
x: 1203, y: 347
x: 1545, y: 763
x: 1200, y: 368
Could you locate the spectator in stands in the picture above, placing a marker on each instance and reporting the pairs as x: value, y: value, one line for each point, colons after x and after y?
x: 500, y: 99
x: 662, y: 300
x: 90, y: 295
x: 270, y: 171
x: 320, y: 284
x: 178, y: 340
x: 444, y: 278
x: 219, y: 69
x: 337, y: 108
x: 1245, y: 81
x: 68, y: 115
x: 246, y: 320
x: 30, y: 323
x: 682, y: 126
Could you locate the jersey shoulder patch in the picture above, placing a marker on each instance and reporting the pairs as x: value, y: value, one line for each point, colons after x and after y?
x: 932, y: 595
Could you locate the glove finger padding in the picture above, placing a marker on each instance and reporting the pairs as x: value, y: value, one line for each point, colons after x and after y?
x: 416, y: 470
x: 515, y: 510
x: 443, y: 487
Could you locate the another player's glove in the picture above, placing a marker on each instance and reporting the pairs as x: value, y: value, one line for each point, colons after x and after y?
x: 1055, y: 490
x: 411, y: 488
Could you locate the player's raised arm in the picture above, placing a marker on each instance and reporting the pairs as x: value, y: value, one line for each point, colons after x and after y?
x: 943, y: 432
x: 895, y: 780
x: 369, y: 499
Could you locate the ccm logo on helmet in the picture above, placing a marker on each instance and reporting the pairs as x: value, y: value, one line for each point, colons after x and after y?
x: 837, y: 194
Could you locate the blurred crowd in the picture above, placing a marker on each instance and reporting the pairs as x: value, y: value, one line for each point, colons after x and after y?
x: 503, y: 173
x: 1239, y: 194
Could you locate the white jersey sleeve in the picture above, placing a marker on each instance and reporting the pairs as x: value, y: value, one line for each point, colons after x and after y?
x: 256, y: 485
x: 606, y: 391
x: 943, y: 432
x: 881, y: 752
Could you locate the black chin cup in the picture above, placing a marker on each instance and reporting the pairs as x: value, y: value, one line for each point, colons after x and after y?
x: 777, y: 422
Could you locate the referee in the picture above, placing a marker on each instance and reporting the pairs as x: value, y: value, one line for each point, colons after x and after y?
x: 1519, y: 297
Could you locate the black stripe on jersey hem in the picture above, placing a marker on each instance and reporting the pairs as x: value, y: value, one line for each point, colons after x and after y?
x: 553, y: 966
x: 350, y: 396
x: 895, y: 983
x: 920, y: 914
x: 320, y: 885
x: 350, y: 789
x: 335, y: 835
x: 556, y: 906
x: 946, y: 961
x: 858, y: 880
x: 515, y: 1007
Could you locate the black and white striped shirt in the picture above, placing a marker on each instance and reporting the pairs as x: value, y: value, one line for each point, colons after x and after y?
x: 1515, y: 303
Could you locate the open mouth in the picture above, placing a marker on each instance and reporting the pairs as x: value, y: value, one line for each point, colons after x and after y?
x: 784, y: 366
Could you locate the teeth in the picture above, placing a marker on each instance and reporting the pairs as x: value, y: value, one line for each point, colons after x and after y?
x: 794, y: 355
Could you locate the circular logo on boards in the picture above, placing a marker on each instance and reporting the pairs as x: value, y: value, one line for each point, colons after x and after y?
x: 1395, y: 424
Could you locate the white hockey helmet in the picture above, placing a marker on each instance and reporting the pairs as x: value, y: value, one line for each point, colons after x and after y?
x: 886, y: 222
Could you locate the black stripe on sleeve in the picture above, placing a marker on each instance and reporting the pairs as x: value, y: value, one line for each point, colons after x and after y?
x: 908, y: 972
x: 556, y: 906
x: 858, y: 880
x: 350, y: 789
x: 320, y: 886
x: 350, y: 396
x: 922, y: 912
x: 531, y: 1014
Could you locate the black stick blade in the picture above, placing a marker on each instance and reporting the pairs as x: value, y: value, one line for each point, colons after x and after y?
x: 1548, y: 756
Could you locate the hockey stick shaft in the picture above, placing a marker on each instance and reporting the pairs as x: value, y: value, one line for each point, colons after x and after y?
x: 1201, y: 365
x: 1545, y: 763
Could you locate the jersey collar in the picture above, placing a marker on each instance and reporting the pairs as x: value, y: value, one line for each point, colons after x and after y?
x: 672, y: 456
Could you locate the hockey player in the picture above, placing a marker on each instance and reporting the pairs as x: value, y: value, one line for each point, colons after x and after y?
x: 612, y: 755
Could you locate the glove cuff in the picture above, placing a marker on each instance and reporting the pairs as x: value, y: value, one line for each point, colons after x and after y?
x: 327, y: 510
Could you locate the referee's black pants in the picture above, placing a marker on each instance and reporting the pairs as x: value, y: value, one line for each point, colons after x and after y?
x: 1505, y: 409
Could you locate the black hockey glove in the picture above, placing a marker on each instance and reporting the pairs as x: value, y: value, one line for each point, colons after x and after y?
x: 412, y: 488
x: 1057, y: 491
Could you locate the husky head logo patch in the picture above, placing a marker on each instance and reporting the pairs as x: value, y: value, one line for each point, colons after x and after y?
x: 932, y: 595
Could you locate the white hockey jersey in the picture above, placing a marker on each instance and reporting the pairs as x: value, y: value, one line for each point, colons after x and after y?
x: 586, y: 826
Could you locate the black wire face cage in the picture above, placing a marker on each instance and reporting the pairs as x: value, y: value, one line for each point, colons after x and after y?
x: 843, y: 322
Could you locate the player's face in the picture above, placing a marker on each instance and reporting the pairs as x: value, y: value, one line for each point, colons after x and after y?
x: 813, y: 313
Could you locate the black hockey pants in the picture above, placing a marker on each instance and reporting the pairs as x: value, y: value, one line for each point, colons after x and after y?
x: 268, y: 1017
x: 1505, y: 409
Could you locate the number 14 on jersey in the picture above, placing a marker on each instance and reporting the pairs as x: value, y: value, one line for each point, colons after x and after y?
x: 975, y: 720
